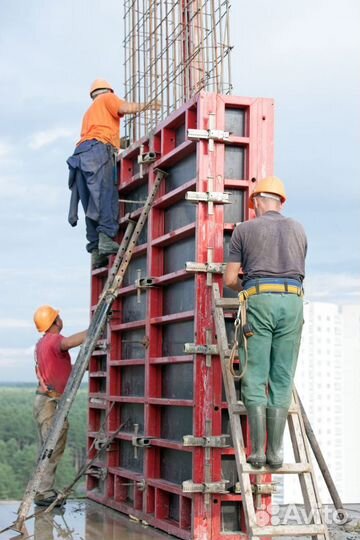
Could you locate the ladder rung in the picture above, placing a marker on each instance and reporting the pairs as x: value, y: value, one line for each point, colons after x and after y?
x: 289, y: 530
x: 230, y: 303
x: 286, y: 468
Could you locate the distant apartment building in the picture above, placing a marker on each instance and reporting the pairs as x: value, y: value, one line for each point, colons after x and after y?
x: 328, y: 381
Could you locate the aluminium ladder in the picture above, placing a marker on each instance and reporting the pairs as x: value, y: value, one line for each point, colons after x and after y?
x: 96, y: 328
x: 302, y: 467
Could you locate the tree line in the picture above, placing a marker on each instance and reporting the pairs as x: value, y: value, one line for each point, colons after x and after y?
x: 19, y: 441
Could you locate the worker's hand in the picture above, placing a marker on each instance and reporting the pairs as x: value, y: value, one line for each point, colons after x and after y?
x: 155, y: 105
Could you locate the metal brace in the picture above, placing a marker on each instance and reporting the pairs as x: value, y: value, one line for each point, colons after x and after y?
x: 219, y: 441
x: 101, y: 345
x: 98, y: 472
x: 188, y: 486
x: 145, y: 159
x: 217, y: 197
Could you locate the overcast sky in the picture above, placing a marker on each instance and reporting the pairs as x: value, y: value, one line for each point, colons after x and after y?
x: 305, y: 55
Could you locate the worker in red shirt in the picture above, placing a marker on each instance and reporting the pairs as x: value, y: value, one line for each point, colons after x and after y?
x: 93, y: 172
x: 53, y: 368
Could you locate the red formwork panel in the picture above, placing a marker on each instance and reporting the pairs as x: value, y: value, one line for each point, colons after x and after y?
x: 141, y: 374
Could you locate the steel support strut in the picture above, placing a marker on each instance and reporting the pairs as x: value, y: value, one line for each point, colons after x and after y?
x: 96, y: 328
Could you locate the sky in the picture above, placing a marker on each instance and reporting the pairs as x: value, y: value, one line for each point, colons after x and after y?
x: 302, y: 54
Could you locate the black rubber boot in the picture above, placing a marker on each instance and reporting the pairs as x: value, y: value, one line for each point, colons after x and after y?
x: 107, y: 246
x: 275, y: 422
x: 257, y: 421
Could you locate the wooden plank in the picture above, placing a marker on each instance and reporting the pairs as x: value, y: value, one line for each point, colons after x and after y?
x: 287, y: 468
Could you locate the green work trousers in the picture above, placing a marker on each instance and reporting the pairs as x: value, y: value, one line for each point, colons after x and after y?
x: 277, y: 320
x: 44, y: 412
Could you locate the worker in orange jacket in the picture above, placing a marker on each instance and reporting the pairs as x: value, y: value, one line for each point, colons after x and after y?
x: 93, y: 171
x: 53, y: 368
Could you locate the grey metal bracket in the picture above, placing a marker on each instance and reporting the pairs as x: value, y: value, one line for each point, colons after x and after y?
x: 214, y: 441
x: 192, y: 348
x: 212, y: 268
x: 217, y: 197
x: 139, y: 442
x: 142, y: 283
x: 98, y: 472
x: 188, y: 486
x: 145, y: 158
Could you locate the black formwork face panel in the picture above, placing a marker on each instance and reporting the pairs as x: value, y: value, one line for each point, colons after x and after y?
x: 142, y: 376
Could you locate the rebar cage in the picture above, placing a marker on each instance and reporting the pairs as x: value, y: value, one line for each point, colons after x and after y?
x: 173, y: 49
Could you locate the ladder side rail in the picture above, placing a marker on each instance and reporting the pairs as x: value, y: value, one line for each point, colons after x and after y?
x: 311, y: 500
x: 96, y: 328
x: 302, y: 446
x: 235, y: 422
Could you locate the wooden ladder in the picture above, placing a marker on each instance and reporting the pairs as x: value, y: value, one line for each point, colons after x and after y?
x: 317, y: 527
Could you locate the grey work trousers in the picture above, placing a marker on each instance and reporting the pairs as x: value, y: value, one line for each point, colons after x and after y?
x: 44, y: 412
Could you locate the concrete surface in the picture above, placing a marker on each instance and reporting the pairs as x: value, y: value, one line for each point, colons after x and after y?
x: 80, y: 520
x: 86, y: 520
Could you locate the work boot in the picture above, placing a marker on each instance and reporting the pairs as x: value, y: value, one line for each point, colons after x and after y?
x: 97, y: 260
x: 257, y: 421
x: 107, y: 246
x: 276, y: 420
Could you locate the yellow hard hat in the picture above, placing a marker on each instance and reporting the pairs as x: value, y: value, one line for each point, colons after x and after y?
x: 44, y: 317
x: 100, y: 84
x: 270, y: 184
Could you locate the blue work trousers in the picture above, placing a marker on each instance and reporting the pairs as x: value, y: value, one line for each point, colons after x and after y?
x: 93, y: 181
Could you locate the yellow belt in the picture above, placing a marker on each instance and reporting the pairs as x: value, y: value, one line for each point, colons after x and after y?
x: 272, y: 288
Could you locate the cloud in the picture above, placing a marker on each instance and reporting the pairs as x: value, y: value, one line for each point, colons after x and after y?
x: 15, y: 323
x: 5, y: 149
x: 47, y: 137
x: 340, y: 288
x: 19, y: 189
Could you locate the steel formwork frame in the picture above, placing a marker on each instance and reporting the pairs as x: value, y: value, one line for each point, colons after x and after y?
x: 141, y: 375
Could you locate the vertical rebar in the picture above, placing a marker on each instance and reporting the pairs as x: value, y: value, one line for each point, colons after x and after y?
x: 173, y: 49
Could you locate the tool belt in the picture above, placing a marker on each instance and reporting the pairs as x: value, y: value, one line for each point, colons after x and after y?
x: 50, y: 394
x: 269, y: 285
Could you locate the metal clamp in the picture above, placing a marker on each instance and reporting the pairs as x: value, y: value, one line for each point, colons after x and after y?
x: 188, y: 486
x: 259, y: 489
x: 214, y: 441
x: 192, y: 348
x: 216, y: 135
x: 210, y: 267
x: 217, y: 197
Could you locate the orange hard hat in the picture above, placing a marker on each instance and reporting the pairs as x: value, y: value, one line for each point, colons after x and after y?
x: 100, y: 84
x: 270, y: 184
x: 44, y: 317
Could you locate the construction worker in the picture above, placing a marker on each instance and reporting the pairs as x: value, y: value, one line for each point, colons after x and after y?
x: 270, y: 253
x: 53, y: 368
x: 93, y: 171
